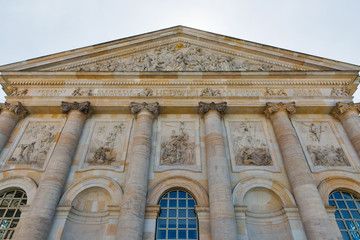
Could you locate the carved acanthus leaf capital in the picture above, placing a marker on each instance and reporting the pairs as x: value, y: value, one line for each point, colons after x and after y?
x: 154, y: 107
x: 272, y: 108
x: 206, y: 107
x: 83, y: 107
x: 17, y: 109
x: 342, y: 108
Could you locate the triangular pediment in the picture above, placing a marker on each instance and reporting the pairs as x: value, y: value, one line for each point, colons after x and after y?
x: 178, y: 49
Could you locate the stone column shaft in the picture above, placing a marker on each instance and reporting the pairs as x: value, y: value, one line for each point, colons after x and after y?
x: 132, y: 212
x: 222, y: 214
x: 42, y: 210
x: 10, y: 115
x: 348, y: 114
x: 311, y: 208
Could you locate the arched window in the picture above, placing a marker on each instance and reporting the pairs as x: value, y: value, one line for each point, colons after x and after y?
x: 347, y: 213
x: 177, y: 219
x: 10, y: 202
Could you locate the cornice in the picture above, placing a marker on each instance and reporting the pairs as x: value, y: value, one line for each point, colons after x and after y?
x: 336, y: 78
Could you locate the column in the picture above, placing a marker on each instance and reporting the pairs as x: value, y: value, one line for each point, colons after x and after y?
x: 132, y: 211
x: 348, y: 114
x: 37, y: 224
x: 311, y: 208
x: 222, y: 214
x: 10, y: 115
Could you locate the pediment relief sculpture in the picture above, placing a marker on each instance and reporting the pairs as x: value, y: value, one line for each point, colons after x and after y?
x: 177, y: 57
x: 322, y: 145
x: 249, y: 144
x: 35, y: 144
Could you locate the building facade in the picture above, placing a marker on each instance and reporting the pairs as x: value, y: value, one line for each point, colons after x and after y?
x: 179, y: 134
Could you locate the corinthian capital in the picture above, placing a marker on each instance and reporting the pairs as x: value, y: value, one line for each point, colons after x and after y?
x: 83, y: 107
x: 154, y: 107
x: 206, y: 107
x: 342, y: 108
x: 272, y: 108
x: 17, y: 109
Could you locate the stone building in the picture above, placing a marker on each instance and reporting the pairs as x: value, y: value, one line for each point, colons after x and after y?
x: 179, y: 134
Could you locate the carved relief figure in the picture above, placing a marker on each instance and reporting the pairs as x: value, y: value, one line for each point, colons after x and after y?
x: 177, y: 57
x: 249, y: 144
x: 14, y: 91
x: 208, y: 92
x: 84, y: 93
x: 102, y: 150
x: 322, y: 145
x: 147, y: 92
x: 272, y: 92
x: 179, y: 147
x: 340, y: 92
x: 33, y: 148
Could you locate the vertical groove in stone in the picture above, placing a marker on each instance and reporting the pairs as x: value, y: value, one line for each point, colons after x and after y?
x: 351, y: 124
x: 311, y: 208
x: 8, y: 121
x: 132, y: 212
x: 222, y: 214
x: 36, y: 225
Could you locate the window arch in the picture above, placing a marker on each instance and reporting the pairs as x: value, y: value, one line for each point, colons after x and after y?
x: 10, y: 202
x: 347, y: 213
x: 177, y: 219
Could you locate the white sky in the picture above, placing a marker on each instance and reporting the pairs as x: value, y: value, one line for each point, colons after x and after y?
x: 326, y: 28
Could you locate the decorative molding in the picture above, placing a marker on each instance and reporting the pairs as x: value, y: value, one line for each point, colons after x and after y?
x: 206, y: 107
x: 272, y: 108
x: 83, y: 107
x: 17, y: 109
x: 170, y: 83
x: 342, y: 108
x: 154, y: 108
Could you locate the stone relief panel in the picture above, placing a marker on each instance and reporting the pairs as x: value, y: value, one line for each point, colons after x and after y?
x: 321, y: 145
x: 249, y: 144
x: 177, y: 57
x: 34, y: 148
x: 178, y: 145
x: 107, y: 145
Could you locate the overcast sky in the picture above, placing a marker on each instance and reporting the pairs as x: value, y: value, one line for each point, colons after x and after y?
x: 326, y: 28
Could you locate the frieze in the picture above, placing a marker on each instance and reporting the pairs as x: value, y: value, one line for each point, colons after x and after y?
x: 183, y: 91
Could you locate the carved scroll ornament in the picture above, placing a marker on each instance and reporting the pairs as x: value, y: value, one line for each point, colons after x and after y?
x: 17, y: 109
x: 342, y: 108
x: 272, y: 108
x: 206, y: 107
x: 82, y: 107
x: 154, y: 107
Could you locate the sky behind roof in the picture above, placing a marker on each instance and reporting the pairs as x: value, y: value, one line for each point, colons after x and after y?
x: 325, y: 28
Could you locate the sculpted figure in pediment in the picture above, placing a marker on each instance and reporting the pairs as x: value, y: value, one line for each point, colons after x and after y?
x: 177, y: 57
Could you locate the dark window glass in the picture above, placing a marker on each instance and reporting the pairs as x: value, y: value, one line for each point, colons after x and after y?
x: 10, y: 211
x: 177, y: 219
x: 347, y: 214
